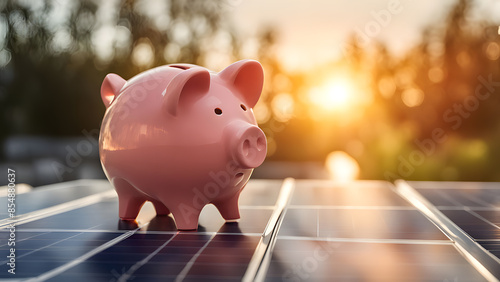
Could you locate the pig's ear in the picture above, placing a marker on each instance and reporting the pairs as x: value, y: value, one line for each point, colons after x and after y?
x: 185, y: 88
x: 247, y: 76
x: 111, y: 87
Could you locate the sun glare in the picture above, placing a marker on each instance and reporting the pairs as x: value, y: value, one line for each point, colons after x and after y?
x: 334, y: 96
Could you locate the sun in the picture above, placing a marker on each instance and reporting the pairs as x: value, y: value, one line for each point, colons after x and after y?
x: 334, y: 96
x: 338, y: 95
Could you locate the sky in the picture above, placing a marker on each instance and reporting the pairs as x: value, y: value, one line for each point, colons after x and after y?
x: 312, y: 31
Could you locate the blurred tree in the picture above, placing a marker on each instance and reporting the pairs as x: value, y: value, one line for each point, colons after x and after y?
x: 436, y: 88
x: 54, y: 54
x: 432, y: 86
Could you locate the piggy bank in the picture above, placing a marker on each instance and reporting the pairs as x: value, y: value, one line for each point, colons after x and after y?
x: 181, y: 137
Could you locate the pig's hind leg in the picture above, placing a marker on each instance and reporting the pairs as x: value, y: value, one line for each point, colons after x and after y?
x: 160, y: 208
x: 129, y: 199
x: 228, y: 208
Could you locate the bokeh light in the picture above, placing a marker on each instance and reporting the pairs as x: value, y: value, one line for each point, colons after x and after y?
x: 143, y: 53
x: 283, y: 107
x: 493, y: 51
x: 387, y: 86
x: 412, y: 97
x: 436, y: 74
x: 341, y: 166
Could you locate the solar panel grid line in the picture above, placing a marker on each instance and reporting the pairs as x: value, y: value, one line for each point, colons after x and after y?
x: 128, y: 274
x: 458, y: 203
x: 481, y: 202
x: 180, y: 277
x: 41, y: 248
x: 447, y: 197
x: 24, y: 239
x: 57, y: 209
x: 84, y: 257
x: 481, y: 218
x: 482, y: 260
x: 261, y: 258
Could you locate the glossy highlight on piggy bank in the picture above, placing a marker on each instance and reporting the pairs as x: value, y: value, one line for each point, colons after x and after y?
x: 181, y: 137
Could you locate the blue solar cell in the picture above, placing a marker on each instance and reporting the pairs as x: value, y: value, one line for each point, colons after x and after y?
x: 360, y: 223
x: 474, y: 226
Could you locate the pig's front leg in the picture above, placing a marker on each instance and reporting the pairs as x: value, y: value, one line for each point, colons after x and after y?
x: 228, y: 208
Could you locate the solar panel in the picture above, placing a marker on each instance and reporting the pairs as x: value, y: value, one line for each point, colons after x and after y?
x: 291, y: 230
x: 474, y: 209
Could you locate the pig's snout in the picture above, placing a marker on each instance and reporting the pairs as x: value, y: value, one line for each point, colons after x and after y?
x: 250, y: 146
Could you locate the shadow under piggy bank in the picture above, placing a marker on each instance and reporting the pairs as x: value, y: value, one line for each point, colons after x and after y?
x: 230, y: 227
x: 158, y: 223
x: 166, y: 223
x: 127, y: 224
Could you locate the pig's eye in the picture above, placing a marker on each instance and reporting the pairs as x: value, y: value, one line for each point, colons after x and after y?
x: 243, y: 107
x: 218, y: 111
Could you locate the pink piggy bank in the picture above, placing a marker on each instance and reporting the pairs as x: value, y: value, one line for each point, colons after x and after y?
x: 181, y: 136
